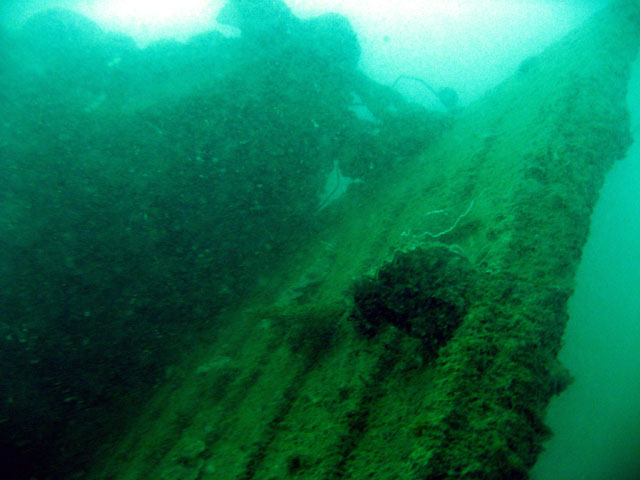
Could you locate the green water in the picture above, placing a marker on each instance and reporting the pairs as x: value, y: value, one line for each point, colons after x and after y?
x: 597, y: 420
x: 146, y: 192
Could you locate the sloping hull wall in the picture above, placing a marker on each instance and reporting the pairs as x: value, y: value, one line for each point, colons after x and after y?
x: 292, y: 389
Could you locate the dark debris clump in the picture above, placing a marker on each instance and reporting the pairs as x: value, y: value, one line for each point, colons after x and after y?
x: 424, y: 292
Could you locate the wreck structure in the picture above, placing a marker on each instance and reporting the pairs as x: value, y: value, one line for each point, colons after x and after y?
x: 415, y: 336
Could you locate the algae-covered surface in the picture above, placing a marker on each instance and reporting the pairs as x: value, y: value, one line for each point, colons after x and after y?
x: 329, y: 374
x: 224, y: 272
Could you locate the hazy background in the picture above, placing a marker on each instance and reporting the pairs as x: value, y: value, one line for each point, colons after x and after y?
x: 468, y: 45
x: 471, y: 45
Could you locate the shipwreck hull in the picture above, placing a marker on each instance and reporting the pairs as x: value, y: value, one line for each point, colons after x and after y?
x: 294, y: 388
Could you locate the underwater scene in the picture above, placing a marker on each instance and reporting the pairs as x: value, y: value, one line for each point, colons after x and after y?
x: 320, y: 240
